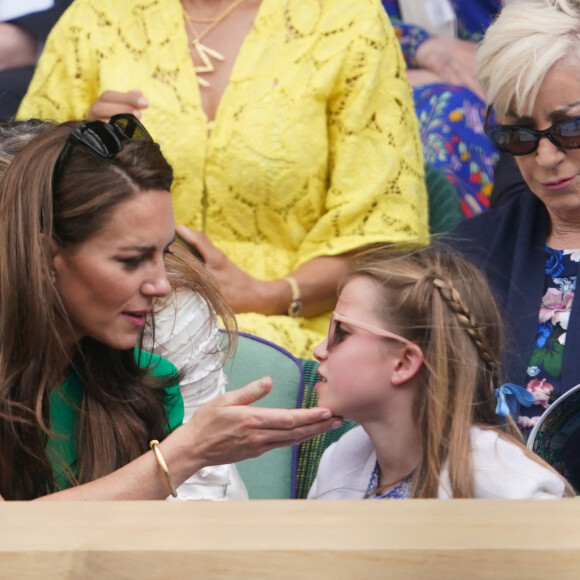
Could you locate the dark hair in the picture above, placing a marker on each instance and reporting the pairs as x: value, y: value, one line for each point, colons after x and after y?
x: 122, y: 403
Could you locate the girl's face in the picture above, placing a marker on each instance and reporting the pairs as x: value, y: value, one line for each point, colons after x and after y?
x: 356, y: 366
x: 108, y: 283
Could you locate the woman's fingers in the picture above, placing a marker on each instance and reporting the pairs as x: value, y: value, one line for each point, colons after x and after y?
x: 114, y: 103
x: 243, y: 292
x: 201, y: 243
x: 228, y: 430
x: 268, y: 429
x: 267, y: 418
x: 251, y: 393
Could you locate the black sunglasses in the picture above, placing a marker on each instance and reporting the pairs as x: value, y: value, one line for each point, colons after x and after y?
x: 518, y: 140
x: 104, y: 139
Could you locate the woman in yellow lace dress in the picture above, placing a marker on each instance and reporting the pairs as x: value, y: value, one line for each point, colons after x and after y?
x: 292, y: 148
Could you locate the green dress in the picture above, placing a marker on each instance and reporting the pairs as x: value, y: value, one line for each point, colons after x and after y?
x: 61, y: 448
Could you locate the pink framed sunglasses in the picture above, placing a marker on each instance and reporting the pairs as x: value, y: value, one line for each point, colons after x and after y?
x: 336, y: 317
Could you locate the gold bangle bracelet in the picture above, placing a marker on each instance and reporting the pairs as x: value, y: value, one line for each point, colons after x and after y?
x: 154, y: 445
x: 296, y: 304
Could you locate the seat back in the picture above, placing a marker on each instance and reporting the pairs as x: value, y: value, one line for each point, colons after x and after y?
x: 444, y: 205
x: 270, y: 475
x: 287, y: 472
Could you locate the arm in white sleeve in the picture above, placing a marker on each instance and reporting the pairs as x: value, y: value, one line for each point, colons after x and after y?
x: 186, y: 333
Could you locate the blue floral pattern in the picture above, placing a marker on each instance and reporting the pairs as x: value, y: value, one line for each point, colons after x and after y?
x: 401, y: 490
x: 545, y: 366
x: 451, y: 117
x: 451, y: 126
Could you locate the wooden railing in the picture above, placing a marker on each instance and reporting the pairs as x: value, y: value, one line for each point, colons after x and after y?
x: 422, y: 539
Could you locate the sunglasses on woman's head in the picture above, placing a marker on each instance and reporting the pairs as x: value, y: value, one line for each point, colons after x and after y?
x: 519, y: 140
x: 104, y: 139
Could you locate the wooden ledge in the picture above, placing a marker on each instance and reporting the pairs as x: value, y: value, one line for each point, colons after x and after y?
x: 467, y: 539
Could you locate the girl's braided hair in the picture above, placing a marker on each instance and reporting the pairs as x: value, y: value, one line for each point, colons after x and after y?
x: 442, y: 303
x: 448, y: 292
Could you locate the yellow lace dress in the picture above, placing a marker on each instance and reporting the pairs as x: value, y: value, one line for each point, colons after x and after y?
x: 314, y: 149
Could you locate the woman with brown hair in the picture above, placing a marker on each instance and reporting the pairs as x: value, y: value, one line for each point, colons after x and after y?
x: 185, y: 331
x: 83, y: 241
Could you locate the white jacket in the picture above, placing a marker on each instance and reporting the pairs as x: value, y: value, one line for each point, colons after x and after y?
x: 501, y: 469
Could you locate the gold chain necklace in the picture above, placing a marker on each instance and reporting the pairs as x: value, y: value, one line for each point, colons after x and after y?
x: 204, y: 52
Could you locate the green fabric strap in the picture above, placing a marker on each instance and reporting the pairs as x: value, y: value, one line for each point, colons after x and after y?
x: 444, y: 206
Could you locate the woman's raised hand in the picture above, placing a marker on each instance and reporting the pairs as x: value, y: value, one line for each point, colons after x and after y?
x: 113, y: 103
x: 225, y: 430
x: 228, y: 429
x: 243, y: 292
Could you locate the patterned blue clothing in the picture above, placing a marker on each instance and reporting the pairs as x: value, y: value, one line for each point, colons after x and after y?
x: 545, y: 367
x: 451, y: 117
x: 451, y: 126
x: 473, y: 16
x: 401, y: 490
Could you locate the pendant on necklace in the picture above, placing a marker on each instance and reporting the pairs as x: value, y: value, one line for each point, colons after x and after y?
x: 204, y: 53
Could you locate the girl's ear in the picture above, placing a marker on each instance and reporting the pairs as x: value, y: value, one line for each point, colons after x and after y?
x: 407, y: 364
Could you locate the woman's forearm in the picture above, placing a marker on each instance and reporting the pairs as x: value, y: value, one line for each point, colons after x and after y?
x: 226, y: 430
x: 142, y: 479
x: 317, y: 282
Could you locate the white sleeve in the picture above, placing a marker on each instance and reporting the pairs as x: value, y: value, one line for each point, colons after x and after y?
x: 503, y: 470
x: 186, y: 334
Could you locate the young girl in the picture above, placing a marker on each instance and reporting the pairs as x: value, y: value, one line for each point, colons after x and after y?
x: 411, y: 355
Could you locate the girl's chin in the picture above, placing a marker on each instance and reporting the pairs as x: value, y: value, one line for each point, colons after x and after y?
x: 323, y: 402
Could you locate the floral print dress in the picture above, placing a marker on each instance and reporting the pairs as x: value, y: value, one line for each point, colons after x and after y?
x: 451, y: 117
x: 401, y: 490
x: 545, y: 367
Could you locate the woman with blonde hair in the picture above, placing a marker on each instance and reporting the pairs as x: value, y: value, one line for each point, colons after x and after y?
x: 529, y: 62
x: 412, y: 355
